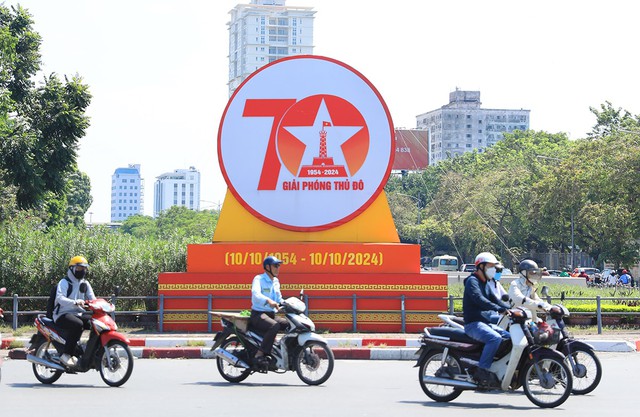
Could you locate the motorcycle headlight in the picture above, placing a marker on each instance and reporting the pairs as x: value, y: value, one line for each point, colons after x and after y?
x: 100, y: 326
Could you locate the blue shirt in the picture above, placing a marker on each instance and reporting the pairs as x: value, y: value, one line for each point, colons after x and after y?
x: 476, y: 301
x: 625, y: 279
x: 264, y: 287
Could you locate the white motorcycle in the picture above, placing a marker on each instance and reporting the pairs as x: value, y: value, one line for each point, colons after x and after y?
x: 448, y: 358
x: 299, y: 349
x: 580, y: 356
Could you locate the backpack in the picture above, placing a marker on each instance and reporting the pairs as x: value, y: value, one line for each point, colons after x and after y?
x: 51, y: 302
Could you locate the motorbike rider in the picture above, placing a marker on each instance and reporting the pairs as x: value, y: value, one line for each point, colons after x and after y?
x: 494, y: 283
x: 476, y: 303
x: 522, y: 291
x: 69, y: 313
x: 265, y: 297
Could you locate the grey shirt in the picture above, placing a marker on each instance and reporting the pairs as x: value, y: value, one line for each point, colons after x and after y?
x: 66, y: 304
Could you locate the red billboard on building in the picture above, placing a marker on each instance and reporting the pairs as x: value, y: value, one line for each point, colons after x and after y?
x: 411, y: 150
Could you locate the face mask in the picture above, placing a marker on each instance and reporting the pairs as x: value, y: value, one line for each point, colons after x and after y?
x: 490, y: 272
x: 79, y: 273
x: 497, y: 276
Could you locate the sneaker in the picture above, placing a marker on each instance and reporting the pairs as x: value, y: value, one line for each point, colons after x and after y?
x: 68, y: 360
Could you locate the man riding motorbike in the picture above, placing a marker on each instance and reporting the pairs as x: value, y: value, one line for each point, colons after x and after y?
x: 265, y: 296
x: 477, y: 302
x: 69, y: 313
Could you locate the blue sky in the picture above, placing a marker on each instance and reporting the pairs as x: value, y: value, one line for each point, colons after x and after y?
x: 158, y: 69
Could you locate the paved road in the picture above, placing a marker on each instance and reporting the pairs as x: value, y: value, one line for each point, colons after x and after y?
x: 173, y: 387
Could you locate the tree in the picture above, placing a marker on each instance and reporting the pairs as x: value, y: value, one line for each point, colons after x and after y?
x: 610, y: 120
x: 70, y: 207
x: 176, y: 221
x: 39, y: 125
x: 184, y: 222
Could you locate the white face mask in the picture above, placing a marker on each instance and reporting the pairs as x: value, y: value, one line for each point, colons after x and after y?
x: 490, y: 273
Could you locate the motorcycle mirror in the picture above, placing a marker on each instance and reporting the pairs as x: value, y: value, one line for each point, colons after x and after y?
x: 504, y: 297
x: 562, y: 296
x: 116, y: 292
x: 302, y: 294
x: 544, y: 291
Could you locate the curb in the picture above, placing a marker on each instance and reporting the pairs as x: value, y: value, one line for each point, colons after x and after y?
x: 343, y: 348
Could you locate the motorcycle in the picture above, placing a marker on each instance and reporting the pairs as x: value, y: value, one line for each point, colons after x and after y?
x: 3, y: 291
x: 106, y: 350
x: 299, y: 349
x: 580, y: 357
x: 448, y: 358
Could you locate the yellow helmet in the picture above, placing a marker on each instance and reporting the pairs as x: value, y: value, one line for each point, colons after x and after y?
x: 79, y: 260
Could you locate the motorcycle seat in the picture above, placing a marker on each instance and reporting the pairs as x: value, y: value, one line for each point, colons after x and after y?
x: 455, y: 335
x: 48, y: 322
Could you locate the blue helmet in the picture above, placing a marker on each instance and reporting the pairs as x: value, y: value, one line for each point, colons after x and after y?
x: 271, y: 260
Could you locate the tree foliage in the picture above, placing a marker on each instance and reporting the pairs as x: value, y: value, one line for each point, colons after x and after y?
x: 177, y: 220
x: 520, y: 196
x: 40, y: 125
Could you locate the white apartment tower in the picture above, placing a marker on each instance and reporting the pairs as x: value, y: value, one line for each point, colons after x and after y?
x: 264, y: 31
x: 178, y: 188
x: 127, y: 193
x: 462, y: 126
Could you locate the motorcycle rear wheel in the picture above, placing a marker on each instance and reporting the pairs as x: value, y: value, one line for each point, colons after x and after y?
x: 552, y: 387
x: 314, y: 363
x: 588, y: 373
x: 45, y: 351
x: 228, y: 371
x: 116, y: 368
x: 432, y: 366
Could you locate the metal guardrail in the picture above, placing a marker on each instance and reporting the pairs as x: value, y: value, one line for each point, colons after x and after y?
x: 160, y: 312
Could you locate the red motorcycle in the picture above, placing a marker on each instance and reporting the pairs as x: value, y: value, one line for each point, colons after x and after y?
x: 107, y: 350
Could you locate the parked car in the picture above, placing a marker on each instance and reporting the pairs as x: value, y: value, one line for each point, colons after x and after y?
x: 467, y: 268
x: 554, y: 272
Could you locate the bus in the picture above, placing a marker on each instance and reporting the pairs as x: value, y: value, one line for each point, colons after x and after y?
x: 444, y: 263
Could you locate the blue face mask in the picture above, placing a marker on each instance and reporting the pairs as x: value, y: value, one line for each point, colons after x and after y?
x: 497, y: 276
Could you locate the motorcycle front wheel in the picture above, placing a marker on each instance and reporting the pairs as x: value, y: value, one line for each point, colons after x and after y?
x: 547, y: 382
x: 314, y: 363
x: 45, y: 351
x: 228, y: 371
x: 116, y: 363
x: 587, y: 371
x: 432, y: 366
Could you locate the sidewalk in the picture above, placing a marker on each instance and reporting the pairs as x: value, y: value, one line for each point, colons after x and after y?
x: 344, y: 345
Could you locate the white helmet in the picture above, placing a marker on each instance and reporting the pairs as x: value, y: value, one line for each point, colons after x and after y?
x: 486, y: 257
